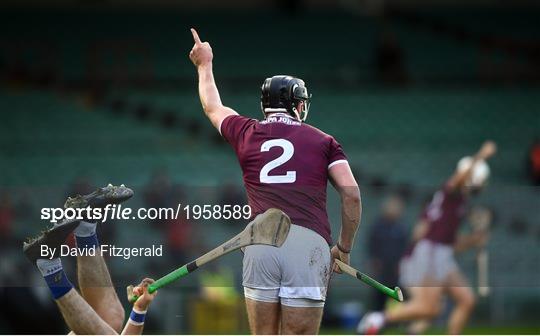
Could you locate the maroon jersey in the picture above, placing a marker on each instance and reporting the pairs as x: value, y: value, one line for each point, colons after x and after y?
x: 444, y: 214
x: 285, y: 165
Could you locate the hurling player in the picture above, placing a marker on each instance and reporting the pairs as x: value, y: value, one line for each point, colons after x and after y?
x: 97, y: 309
x: 286, y: 164
x: 430, y: 270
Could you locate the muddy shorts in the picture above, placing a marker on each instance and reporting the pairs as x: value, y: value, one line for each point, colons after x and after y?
x: 295, y: 274
x: 429, y: 261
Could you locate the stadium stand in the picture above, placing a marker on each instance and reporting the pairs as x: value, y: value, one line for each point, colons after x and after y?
x: 409, y: 137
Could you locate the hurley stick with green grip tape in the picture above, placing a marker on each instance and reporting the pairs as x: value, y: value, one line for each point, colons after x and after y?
x: 395, y: 293
x: 268, y: 228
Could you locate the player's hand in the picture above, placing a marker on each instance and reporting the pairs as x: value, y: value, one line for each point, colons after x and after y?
x: 480, y: 238
x: 338, y: 254
x: 489, y: 148
x: 201, y: 53
x: 145, y: 298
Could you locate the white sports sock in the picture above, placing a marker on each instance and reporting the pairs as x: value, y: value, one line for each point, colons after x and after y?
x: 49, y: 266
x: 85, y: 229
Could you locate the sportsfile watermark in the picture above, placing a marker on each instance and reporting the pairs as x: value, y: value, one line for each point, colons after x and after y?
x: 119, y: 212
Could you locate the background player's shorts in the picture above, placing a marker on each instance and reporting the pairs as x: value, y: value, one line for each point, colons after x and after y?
x: 296, y: 274
x: 428, y: 262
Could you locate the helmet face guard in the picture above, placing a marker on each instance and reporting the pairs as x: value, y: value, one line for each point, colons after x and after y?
x: 299, y: 93
x: 283, y: 94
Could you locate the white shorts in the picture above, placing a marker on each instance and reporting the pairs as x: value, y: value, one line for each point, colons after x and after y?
x: 296, y: 274
x: 429, y: 261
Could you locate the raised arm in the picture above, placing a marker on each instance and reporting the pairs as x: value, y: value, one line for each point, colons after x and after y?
x: 351, y: 210
x: 471, y: 240
x: 459, y: 178
x: 201, y: 56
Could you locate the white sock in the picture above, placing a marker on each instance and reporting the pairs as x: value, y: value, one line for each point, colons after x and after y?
x: 85, y: 229
x: 49, y: 266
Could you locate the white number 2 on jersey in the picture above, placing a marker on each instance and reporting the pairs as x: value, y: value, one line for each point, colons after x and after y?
x: 288, y: 151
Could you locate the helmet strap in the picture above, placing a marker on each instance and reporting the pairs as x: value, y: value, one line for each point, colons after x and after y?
x: 305, y: 111
x: 296, y: 113
x: 302, y: 116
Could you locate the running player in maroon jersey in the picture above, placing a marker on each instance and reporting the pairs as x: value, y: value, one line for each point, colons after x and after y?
x: 286, y: 164
x: 430, y: 270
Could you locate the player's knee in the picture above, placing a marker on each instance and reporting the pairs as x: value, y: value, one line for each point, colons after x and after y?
x: 306, y: 323
x: 296, y: 329
x: 468, y: 301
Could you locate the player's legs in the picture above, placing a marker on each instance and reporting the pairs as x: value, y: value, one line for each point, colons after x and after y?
x: 464, y: 300
x: 425, y: 280
x: 294, y: 275
x: 426, y: 304
x: 80, y: 317
x: 427, y: 267
x: 407, y: 278
x: 263, y: 317
x: 305, y: 262
x: 94, y: 279
x: 417, y: 327
x: 96, y: 286
x: 261, y: 278
x: 300, y: 320
x: 93, y: 273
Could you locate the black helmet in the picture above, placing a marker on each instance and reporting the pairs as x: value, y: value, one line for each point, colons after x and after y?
x: 284, y: 93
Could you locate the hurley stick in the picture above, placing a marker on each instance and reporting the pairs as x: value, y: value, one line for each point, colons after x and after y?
x: 481, y: 221
x: 268, y: 228
x: 395, y: 293
x: 482, y: 262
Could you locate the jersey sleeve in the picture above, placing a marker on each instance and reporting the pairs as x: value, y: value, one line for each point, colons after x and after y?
x: 432, y: 211
x: 233, y: 127
x: 336, y: 155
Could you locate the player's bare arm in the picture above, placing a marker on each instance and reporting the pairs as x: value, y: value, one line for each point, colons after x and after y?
x: 468, y: 241
x: 351, y: 210
x: 134, y: 325
x: 201, y: 55
x: 458, y: 180
x: 420, y: 230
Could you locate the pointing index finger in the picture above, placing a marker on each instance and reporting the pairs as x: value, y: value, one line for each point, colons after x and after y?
x: 195, y: 36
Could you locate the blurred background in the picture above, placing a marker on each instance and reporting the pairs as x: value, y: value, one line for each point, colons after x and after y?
x: 99, y: 92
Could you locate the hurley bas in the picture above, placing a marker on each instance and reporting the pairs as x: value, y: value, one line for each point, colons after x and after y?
x: 104, y: 250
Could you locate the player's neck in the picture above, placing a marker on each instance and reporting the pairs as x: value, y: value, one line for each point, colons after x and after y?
x: 279, y: 114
